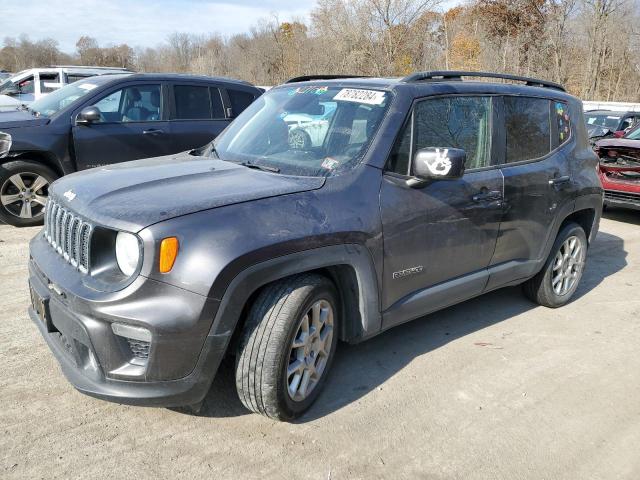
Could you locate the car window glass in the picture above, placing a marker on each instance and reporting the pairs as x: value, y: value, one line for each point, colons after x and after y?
x: 49, y: 82
x: 399, y: 159
x: 192, y: 102
x: 456, y: 122
x: 26, y: 85
x: 217, y: 109
x: 74, y: 77
x: 562, y: 123
x: 239, y: 100
x: 139, y: 103
x: 527, y: 128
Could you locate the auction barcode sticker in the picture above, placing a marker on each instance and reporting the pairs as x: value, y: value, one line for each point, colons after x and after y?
x: 370, y: 97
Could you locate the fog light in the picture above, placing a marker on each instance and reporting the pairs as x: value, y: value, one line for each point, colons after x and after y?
x: 129, y: 331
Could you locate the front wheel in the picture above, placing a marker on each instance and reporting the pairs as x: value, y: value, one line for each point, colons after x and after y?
x: 288, y: 346
x: 24, y: 189
x: 558, y: 280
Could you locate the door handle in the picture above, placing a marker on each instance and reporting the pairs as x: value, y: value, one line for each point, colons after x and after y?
x: 486, y: 196
x: 560, y: 180
x: 153, y: 131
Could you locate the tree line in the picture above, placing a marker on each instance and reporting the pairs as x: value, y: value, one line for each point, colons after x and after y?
x: 590, y: 46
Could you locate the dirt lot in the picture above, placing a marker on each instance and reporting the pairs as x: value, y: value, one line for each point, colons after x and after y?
x: 493, y: 388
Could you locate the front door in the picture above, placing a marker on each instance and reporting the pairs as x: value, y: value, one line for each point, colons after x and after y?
x: 131, y: 126
x: 447, y: 229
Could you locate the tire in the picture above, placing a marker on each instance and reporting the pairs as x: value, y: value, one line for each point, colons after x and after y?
x: 299, y: 139
x: 16, y: 179
x: 266, y: 350
x: 544, y: 289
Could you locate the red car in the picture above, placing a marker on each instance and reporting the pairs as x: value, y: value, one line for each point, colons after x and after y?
x: 619, y: 169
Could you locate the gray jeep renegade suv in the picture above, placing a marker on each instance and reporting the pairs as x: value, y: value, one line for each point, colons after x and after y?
x: 331, y: 209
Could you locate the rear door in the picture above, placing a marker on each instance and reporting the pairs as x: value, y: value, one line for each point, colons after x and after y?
x: 447, y: 229
x: 197, y: 115
x: 537, y: 182
x: 133, y: 126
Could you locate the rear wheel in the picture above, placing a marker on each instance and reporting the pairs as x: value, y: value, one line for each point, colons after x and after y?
x: 24, y: 189
x: 288, y: 346
x: 558, y: 280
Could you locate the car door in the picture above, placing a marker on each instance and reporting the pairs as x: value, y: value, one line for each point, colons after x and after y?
x: 440, y: 237
x: 197, y: 115
x: 132, y: 126
x: 537, y: 183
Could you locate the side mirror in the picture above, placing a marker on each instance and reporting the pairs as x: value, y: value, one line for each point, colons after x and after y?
x: 88, y: 115
x: 438, y: 163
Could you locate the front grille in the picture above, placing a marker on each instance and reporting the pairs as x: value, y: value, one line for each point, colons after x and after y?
x: 68, y: 234
x: 139, y: 348
x: 622, y: 196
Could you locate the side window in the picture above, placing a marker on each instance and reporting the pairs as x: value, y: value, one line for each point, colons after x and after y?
x: 528, y: 128
x: 562, y: 126
x: 192, y: 102
x: 139, y: 103
x: 399, y: 159
x: 74, y: 77
x: 456, y: 122
x: 26, y: 85
x: 49, y: 82
x: 239, y: 100
x: 217, y: 109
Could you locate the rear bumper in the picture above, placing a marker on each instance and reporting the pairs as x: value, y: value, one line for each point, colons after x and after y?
x: 183, y: 354
x: 618, y: 198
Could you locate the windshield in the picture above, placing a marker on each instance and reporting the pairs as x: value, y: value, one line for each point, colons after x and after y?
x: 56, y: 101
x: 312, y: 130
x: 634, y: 133
x: 602, y: 120
x: 4, y: 84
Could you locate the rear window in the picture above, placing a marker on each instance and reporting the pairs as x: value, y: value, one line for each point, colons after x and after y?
x: 239, y: 101
x: 528, y: 128
x: 192, y: 102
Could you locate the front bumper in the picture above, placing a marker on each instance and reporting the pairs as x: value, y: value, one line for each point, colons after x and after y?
x: 620, y: 198
x: 183, y: 357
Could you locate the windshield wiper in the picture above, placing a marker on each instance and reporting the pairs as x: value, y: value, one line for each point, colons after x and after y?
x: 264, y: 168
x: 23, y: 106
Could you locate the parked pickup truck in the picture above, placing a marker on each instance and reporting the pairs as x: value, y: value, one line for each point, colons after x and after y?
x: 422, y: 192
x: 30, y: 85
x: 104, y: 120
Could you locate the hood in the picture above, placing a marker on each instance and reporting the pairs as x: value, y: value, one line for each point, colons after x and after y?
x: 7, y: 102
x: 133, y: 195
x: 20, y: 118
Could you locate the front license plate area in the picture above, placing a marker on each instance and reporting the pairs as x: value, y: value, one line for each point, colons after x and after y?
x: 41, y: 307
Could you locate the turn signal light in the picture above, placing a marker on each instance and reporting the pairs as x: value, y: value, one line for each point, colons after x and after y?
x: 168, y: 253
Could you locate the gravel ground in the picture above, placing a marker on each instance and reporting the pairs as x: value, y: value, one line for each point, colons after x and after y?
x: 492, y: 388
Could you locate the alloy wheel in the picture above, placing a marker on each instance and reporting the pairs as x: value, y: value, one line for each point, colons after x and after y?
x: 310, y: 350
x: 567, y: 266
x: 24, y: 195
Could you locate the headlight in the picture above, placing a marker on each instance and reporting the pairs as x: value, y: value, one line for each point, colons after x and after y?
x: 5, y: 144
x: 127, y: 252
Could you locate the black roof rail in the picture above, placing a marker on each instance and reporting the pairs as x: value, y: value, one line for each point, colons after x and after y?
x: 453, y: 75
x: 306, y: 78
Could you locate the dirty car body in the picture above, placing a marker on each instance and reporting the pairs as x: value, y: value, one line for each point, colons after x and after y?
x: 250, y: 211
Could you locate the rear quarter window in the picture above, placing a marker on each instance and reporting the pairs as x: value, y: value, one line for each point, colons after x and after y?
x: 240, y: 100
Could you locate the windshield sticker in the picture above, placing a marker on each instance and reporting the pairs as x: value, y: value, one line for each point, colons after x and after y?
x: 370, y: 97
x: 330, y: 163
x: 87, y: 86
x: 309, y: 90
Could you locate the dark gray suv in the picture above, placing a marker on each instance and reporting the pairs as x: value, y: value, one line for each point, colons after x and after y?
x: 331, y: 209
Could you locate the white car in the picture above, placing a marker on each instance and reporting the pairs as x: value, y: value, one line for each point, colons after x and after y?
x: 29, y: 85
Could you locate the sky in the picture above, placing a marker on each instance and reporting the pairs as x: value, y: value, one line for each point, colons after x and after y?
x: 138, y: 22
